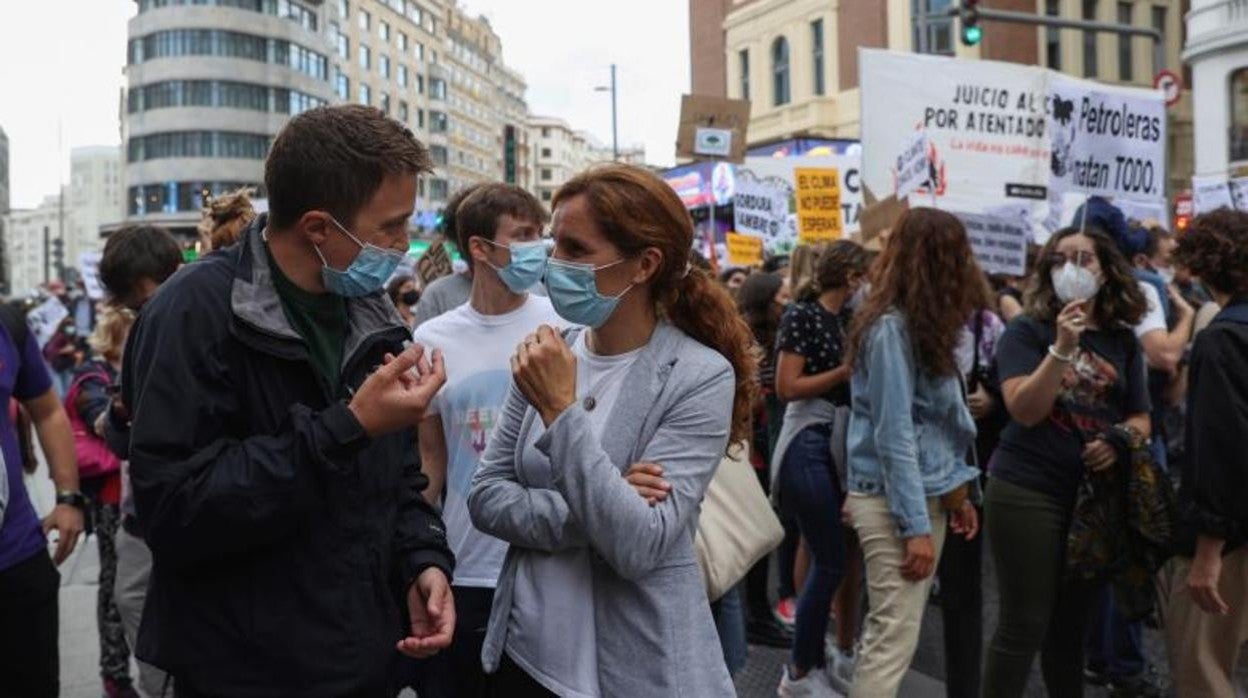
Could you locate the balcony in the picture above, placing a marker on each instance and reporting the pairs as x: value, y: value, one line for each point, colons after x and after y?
x: 1215, y: 25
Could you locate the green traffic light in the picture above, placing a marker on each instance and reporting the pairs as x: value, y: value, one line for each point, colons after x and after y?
x: 972, y: 35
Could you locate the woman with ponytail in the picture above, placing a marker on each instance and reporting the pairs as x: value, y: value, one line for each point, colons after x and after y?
x: 601, y: 593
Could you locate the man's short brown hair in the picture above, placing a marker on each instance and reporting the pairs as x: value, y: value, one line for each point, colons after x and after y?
x: 477, y: 215
x: 334, y: 159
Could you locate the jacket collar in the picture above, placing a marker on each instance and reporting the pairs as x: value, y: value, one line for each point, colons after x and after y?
x: 255, y: 302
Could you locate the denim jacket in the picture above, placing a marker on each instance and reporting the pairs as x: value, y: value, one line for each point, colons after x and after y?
x: 909, y: 432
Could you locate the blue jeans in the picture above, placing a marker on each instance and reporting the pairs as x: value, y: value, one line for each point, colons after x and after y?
x: 1114, y: 645
x: 730, y: 622
x: 809, y: 491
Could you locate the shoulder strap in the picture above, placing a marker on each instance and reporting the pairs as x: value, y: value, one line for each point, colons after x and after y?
x: 14, y: 322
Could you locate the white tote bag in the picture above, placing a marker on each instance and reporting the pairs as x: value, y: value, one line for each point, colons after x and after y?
x: 737, y: 526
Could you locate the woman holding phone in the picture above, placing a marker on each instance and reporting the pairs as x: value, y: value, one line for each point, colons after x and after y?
x: 1073, y: 379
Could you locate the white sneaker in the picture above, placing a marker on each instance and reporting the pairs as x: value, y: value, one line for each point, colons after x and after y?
x: 813, y: 685
x: 840, y: 670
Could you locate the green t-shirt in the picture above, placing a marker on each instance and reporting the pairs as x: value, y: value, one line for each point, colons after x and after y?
x: 321, y: 319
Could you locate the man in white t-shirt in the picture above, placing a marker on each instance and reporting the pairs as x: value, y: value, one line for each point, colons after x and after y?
x: 499, y: 231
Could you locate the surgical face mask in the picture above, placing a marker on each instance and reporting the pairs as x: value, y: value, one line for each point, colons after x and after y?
x: 573, y: 291
x: 528, y: 261
x: 366, y: 274
x: 1074, y: 283
x: 860, y: 296
x: 1166, y: 274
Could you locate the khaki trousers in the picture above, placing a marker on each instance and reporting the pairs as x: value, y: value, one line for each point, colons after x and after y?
x: 896, y: 604
x: 1202, y: 647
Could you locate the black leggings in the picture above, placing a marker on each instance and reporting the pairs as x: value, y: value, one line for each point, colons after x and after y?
x: 1040, y: 611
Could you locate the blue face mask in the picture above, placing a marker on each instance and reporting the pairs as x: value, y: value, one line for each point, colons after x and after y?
x: 573, y: 291
x: 366, y: 274
x: 528, y: 261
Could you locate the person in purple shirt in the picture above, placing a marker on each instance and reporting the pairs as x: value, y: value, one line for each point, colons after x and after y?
x: 29, y: 661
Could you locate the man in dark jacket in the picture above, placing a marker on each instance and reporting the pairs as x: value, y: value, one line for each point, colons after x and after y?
x: 1207, y: 613
x: 273, y: 453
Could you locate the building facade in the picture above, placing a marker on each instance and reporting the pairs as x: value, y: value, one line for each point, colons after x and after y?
x: 94, y: 199
x: 209, y: 84
x: 32, y: 248
x: 796, y: 60
x: 1217, y: 51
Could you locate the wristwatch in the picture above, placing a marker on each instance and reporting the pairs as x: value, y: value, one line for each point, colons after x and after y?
x: 73, y: 499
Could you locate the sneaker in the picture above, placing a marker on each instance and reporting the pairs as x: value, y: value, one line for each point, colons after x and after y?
x: 813, y: 685
x: 119, y: 689
x: 840, y: 670
x: 786, y: 611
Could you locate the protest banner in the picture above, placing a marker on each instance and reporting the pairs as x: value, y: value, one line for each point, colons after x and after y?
x: 1105, y: 140
x: 818, y: 204
x: 1210, y: 194
x: 45, y: 318
x: 89, y: 267
x: 775, y: 177
x: 1004, y: 132
x: 760, y: 206
x: 999, y: 243
x: 913, y: 165
x: 744, y: 250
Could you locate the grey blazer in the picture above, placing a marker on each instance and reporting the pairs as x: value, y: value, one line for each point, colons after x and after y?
x: 655, y: 633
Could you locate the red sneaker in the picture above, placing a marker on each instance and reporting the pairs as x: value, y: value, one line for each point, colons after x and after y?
x: 786, y: 611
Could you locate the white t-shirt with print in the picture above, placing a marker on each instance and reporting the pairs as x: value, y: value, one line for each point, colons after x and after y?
x: 477, y: 350
x: 1154, y: 318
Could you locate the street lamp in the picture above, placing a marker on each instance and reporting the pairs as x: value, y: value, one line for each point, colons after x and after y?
x: 615, y: 137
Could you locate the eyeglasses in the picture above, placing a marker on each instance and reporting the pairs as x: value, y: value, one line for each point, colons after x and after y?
x: 1082, y: 258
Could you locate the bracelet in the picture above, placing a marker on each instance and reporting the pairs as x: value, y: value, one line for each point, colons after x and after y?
x: 1064, y: 358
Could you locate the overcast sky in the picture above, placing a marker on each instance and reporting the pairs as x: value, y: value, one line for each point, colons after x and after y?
x: 61, y: 70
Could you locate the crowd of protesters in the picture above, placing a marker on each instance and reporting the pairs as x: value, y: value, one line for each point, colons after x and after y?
x: 310, y: 471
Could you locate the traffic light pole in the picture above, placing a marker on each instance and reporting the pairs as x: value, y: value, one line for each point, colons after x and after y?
x: 985, y: 13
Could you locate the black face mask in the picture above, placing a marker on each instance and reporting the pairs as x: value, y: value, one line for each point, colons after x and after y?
x: 410, y: 297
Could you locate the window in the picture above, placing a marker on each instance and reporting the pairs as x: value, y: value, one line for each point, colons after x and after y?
x: 385, y: 104
x: 420, y: 118
x: 816, y: 43
x: 1126, y: 56
x: 1053, y: 36
x: 343, y: 9
x: 366, y: 97
x: 1238, y: 139
x: 419, y: 50
x: 344, y: 46
x: 366, y: 57
x: 402, y: 42
x: 546, y: 175
x: 939, y: 26
x: 383, y: 65
x: 342, y: 86
x: 218, y: 93
x: 402, y: 76
x: 437, y: 88
x: 545, y: 132
x: 743, y: 57
x: 780, y: 71
x: 365, y: 20
x: 198, y: 144
x: 1091, y: 66
x: 438, y: 154
x: 438, y: 123
x: 171, y: 197
x: 545, y: 195
x: 403, y: 111
x: 286, y: 9
x: 420, y: 84
x: 383, y: 30
x: 545, y: 152
x: 438, y: 188
x: 219, y: 42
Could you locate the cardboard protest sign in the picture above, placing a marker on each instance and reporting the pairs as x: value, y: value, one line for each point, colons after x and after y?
x: 45, y: 318
x: 89, y: 268
x: 999, y: 243
x: 818, y: 204
x: 1210, y: 194
x: 1106, y: 140
x: 703, y: 111
x: 744, y: 250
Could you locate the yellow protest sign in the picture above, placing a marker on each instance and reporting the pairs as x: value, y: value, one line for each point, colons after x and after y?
x: 744, y: 250
x: 818, y: 204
